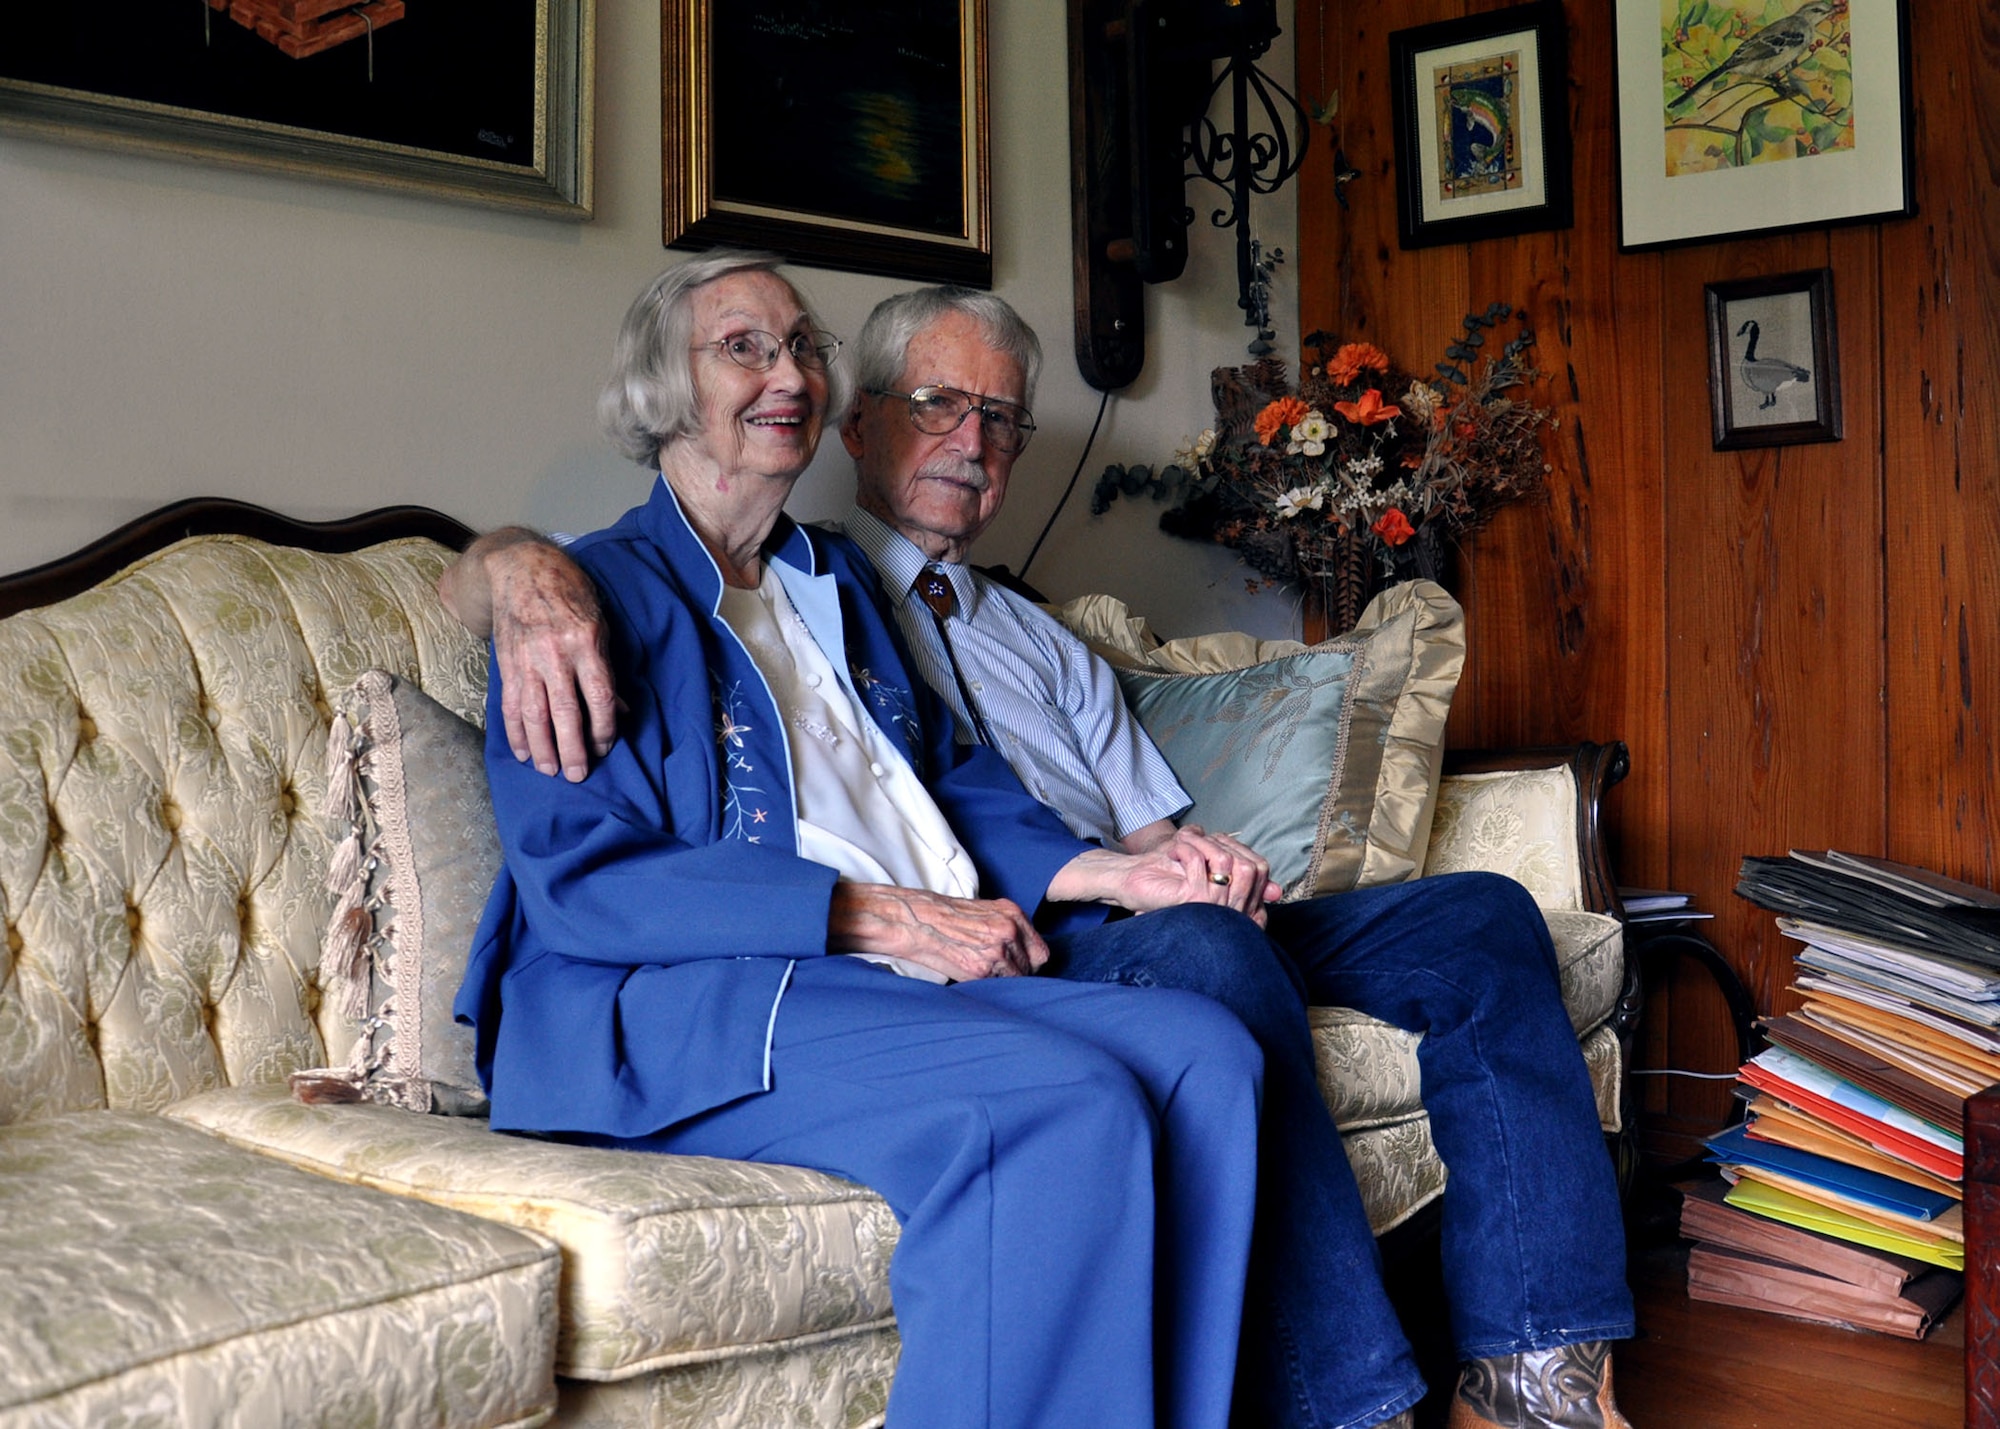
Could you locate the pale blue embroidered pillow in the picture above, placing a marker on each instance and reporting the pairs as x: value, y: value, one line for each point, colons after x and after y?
x: 1261, y: 750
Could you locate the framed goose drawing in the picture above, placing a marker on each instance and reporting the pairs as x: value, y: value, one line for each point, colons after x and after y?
x: 1773, y: 361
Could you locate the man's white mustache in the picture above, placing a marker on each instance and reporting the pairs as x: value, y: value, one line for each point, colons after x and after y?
x: 965, y: 473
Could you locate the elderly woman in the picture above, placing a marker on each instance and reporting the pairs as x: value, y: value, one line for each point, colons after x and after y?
x: 783, y: 919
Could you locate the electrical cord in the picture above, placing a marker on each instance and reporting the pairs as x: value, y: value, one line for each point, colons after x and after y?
x: 1088, y: 443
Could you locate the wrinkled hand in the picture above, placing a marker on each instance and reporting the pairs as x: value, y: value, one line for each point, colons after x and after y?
x: 1191, y: 867
x: 550, y: 640
x: 1235, y: 874
x: 963, y: 938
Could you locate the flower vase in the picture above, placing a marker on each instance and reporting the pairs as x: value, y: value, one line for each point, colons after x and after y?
x: 1426, y: 556
x: 1364, y: 569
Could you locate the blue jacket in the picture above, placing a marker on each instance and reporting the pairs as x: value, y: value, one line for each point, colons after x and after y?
x: 637, y: 944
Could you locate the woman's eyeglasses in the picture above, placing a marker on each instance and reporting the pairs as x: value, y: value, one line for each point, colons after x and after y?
x: 937, y: 410
x: 756, y: 351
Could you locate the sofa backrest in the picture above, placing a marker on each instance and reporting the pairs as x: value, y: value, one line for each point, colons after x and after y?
x: 162, y: 855
x: 1520, y: 822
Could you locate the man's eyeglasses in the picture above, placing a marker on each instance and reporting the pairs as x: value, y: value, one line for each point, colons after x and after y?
x: 757, y: 351
x: 937, y: 410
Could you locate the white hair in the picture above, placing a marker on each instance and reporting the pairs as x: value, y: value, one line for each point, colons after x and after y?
x: 649, y: 402
x: 882, y: 350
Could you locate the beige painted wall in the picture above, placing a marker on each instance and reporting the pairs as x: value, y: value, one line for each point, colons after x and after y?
x: 174, y: 329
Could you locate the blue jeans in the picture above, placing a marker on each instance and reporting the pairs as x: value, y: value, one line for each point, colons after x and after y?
x: 1532, y: 1237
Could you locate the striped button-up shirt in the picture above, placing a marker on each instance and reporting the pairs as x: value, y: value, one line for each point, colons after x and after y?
x: 1052, y: 707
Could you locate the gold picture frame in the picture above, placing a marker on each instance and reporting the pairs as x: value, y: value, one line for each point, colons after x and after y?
x: 353, y: 96
x: 856, y: 141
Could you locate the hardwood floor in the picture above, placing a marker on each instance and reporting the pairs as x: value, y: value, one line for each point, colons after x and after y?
x: 1700, y: 1366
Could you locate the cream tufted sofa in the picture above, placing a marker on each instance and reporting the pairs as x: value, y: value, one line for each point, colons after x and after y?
x: 186, y: 1244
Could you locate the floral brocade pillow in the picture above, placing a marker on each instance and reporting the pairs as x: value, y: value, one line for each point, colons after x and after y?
x: 415, y: 858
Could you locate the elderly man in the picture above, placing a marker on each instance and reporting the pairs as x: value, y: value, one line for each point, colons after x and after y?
x: 1531, y: 1238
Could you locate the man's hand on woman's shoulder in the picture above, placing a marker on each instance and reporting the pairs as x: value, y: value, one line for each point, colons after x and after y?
x: 557, y: 697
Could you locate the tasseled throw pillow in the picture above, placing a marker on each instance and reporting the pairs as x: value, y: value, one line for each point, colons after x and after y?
x: 415, y: 859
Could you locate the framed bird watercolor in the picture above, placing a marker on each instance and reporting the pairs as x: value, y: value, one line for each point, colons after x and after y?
x: 1482, y: 139
x: 1740, y: 117
x: 1773, y: 361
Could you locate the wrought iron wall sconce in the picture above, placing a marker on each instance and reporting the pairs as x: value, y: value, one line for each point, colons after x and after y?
x: 1142, y: 84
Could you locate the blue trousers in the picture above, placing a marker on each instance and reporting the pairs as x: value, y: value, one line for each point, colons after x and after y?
x: 1533, y: 1241
x: 1074, y: 1167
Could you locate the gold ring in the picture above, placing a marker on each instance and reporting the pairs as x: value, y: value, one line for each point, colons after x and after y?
x: 1218, y: 878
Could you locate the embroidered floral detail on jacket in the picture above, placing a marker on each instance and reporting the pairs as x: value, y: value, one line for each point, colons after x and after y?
x: 738, y: 811
x: 891, y: 706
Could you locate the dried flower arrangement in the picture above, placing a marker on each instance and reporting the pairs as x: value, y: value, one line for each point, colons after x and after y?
x: 1357, y: 477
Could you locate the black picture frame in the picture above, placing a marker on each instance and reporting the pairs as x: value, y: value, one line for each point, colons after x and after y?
x: 1774, y: 361
x: 480, y: 101
x: 879, y: 112
x: 1708, y: 153
x: 1503, y: 73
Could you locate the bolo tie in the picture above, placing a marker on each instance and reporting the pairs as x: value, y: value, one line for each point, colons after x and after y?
x: 934, y: 588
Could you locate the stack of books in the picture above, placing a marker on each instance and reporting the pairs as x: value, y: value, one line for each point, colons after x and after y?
x: 1844, y: 1185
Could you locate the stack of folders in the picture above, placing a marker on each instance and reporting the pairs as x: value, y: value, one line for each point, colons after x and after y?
x: 1845, y: 1182
x: 1658, y: 905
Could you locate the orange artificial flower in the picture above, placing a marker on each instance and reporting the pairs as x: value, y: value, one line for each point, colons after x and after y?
x: 1355, y: 358
x: 1368, y: 410
x: 1281, y: 416
x: 1394, y: 527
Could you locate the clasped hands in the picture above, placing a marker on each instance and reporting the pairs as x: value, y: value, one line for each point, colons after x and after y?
x: 971, y: 938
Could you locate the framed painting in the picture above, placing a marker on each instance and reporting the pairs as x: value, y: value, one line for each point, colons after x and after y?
x: 1482, y: 136
x: 1773, y: 361
x: 485, y: 101
x: 1741, y: 117
x: 842, y: 136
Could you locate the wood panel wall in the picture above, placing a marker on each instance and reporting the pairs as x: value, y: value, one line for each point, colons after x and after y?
x: 1801, y: 645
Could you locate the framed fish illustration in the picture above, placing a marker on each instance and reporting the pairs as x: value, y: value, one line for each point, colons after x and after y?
x: 1482, y: 144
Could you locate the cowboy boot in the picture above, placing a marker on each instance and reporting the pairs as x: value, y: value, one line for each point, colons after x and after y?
x: 1564, y: 1388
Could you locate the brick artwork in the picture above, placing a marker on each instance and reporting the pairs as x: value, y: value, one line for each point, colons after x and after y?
x: 300, y: 28
x: 1982, y: 1260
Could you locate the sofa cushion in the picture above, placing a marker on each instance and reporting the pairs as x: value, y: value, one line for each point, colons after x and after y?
x: 417, y: 853
x: 668, y: 1260
x: 150, y: 1266
x: 1366, y: 807
x: 1590, y: 959
x: 1397, y: 1169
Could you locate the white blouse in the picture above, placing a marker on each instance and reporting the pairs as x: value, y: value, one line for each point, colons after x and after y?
x: 861, y: 808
